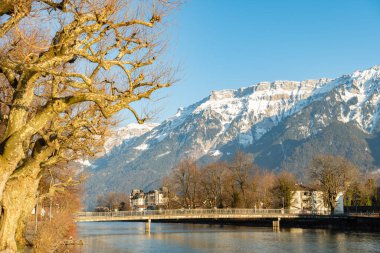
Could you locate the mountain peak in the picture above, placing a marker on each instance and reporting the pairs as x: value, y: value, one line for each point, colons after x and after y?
x: 364, y: 75
x: 282, y: 123
x: 375, y: 67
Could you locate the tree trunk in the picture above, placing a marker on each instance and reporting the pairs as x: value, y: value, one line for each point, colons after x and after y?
x: 9, y: 220
x: 20, y: 232
x: 332, y: 209
x: 4, y: 178
x: 18, y: 201
x: 332, y: 204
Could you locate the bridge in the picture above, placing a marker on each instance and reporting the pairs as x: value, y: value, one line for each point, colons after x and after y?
x: 195, y: 214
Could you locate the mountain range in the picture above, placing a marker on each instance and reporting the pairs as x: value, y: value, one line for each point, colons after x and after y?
x: 283, y: 124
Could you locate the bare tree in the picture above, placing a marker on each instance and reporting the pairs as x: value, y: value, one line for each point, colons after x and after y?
x: 242, y: 169
x: 113, y: 200
x: 334, y: 174
x: 264, y: 182
x: 215, y: 178
x: 65, y: 68
x: 184, y: 180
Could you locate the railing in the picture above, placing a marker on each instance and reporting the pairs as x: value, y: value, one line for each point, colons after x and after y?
x: 194, y: 212
x: 364, y: 214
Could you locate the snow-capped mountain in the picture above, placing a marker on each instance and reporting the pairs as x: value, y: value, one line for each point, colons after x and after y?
x: 117, y: 137
x: 123, y: 134
x: 282, y: 123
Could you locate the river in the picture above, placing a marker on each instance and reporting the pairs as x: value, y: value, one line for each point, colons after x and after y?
x: 115, y: 237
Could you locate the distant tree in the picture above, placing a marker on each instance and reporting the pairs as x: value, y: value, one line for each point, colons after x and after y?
x: 112, y: 201
x: 101, y: 202
x: 184, y: 181
x: 352, y: 196
x: 215, y: 180
x: 124, y: 206
x: 242, y: 169
x: 283, y: 189
x: 368, y: 192
x: 362, y: 192
x: 334, y: 175
x: 174, y: 201
x: 263, y: 181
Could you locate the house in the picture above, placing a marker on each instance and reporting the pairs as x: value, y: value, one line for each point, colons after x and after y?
x: 154, y: 198
x: 137, y: 198
x: 310, y: 200
x: 157, y: 197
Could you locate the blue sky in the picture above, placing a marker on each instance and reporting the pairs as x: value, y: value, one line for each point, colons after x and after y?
x: 224, y: 44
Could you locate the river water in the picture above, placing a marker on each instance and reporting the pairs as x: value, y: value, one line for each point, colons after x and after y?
x: 115, y: 237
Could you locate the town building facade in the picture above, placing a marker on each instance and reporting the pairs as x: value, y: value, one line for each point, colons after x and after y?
x: 153, y: 199
x: 309, y: 200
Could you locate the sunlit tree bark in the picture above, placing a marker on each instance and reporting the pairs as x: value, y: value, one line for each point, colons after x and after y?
x: 66, y: 67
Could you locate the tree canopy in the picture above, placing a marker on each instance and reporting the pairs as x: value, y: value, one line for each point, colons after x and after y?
x: 334, y: 175
x: 66, y: 67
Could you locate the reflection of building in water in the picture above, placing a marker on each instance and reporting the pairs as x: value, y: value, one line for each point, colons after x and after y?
x: 309, y: 200
x: 296, y: 230
x: 152, y: 199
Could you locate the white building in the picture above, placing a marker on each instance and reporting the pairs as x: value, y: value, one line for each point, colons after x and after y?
x: 137, y: 198
x: 309, y: 200
x: 340, y: 205
x: 154, y: 198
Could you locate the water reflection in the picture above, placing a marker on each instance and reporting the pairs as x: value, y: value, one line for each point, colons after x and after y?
x: 115, y: 237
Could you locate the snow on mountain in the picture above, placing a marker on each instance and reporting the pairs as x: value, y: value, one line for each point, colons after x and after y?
x: 249, y: 113
x: 361, y: 94
x: 120, y: 135
x: 126, y: 133
x: 282, y: 123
